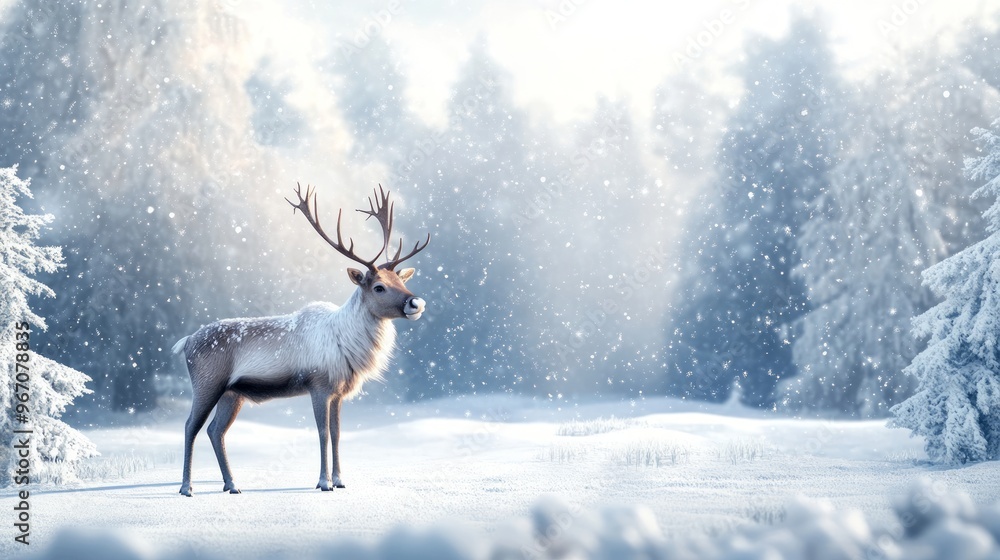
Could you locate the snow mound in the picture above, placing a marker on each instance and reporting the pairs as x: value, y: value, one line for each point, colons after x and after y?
x: 931, y: 522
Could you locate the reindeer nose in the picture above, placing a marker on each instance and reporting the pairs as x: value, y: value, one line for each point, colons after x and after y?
x: 413, y: 308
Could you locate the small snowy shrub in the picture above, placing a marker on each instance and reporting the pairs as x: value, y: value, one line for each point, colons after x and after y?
x: 562, y: 453
x: 741, y: 450
x: 592, y: 427
x: 901, y: 457
x: 122, y: 465
x: 650, y: 454
x: 766, y: 514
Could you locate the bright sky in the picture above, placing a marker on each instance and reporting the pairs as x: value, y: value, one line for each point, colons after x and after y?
x: 564, y: 53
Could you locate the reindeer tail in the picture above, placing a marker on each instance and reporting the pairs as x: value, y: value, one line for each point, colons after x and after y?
x: 179, y: 347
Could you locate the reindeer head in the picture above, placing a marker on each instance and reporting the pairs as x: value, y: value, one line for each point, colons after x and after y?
x: 383, y: 290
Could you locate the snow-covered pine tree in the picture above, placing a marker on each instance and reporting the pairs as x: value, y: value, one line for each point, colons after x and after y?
x: 474, y: 180
x: 136, y: 120
x: 688, y: 122
x: 741, y: 299
x: 370, y: 83
x: 56, y: 447
x: 869, y: 235
x: 957, y: 404
x: 596, y: 333
x: 938, y: 110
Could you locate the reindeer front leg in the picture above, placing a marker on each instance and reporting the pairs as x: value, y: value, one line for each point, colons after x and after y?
x: 321, y: 409
x: 335, y: 438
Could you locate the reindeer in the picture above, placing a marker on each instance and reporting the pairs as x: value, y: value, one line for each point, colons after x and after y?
x: 324, y: 350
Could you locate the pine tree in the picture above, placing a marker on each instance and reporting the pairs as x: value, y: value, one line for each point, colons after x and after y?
x: 137, y: 122
x: 597, y: 337
x: 40, y: 101
x: 481, y: 158
x: 474, y: 181
x: 937, y: 109
x: 370, y: 84
x: 895, y: 205
x: 957, y: 404
x: 689, y: 121
x: 734, y: 318
x: 869, y: 234
x: 55, y: 447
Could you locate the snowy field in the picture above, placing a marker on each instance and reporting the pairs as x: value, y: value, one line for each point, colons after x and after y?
x: 483, y: 464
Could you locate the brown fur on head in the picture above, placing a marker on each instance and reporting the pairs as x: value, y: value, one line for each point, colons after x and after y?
x: 384, y: 294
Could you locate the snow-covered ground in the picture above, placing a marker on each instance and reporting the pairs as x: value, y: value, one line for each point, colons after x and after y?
x: 479, y: 463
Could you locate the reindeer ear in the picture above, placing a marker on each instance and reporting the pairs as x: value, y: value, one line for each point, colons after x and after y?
x: 406, y: 274
x: 355, y: 275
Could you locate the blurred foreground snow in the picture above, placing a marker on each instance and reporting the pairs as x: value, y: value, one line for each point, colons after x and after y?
x: 931, y: 522
x: 462, y: 478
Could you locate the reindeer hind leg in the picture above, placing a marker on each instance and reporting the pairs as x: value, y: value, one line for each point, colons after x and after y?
x: 225, y: 414
x: 204, y: 400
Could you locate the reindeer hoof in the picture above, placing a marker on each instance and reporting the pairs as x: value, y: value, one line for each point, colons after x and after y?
x: 327, y: 486
x: 231, y: 488
x: 186, y: 491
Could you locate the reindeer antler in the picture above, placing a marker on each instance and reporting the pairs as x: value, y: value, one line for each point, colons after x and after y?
x: 380, y: 208
x: 417, y: 247
x: 309, y: 209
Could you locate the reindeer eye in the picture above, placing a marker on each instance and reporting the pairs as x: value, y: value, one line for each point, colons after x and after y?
x: 379, y: 289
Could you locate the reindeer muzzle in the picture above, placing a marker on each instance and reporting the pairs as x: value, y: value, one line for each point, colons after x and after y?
x: 414, y: 308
